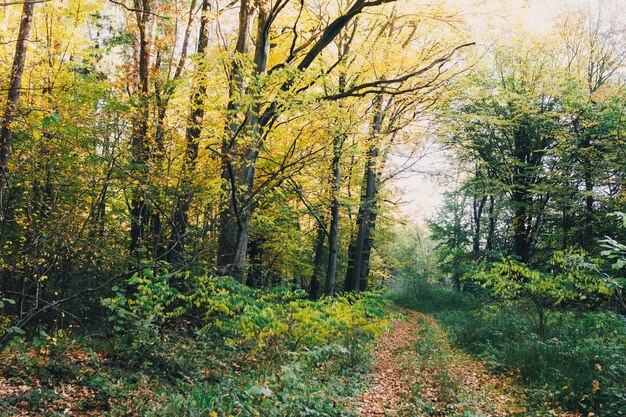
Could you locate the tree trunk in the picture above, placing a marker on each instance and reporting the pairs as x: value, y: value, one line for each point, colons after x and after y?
x: 522, y: 194
x: 519, y: 226
x: 367, y: 207
x: 477, y: 207
x: 367, y: 250
x: 10, y: 109
x: 317, y: 262
x: 180, y: 218
x: 254, y: 270
x: 140, y: 143
x: 492, y: 225
x: 349, y: 284
x: 333, y: 235
x: 156, y: 248
x: 239, y: 165
x: 364, y: 221
x: 588, y: 235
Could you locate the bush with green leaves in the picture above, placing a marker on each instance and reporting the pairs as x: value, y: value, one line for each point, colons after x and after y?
x: 197, y: 345
x: 5, y: 321
x: 313, y: 383
x: 294, y: 356
x: 615, y: 252
x: 243, y: 316
x: 573, y: 280
x: 138, y: 319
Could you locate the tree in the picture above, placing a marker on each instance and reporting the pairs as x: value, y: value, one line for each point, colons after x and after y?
x: 593, y: 52
x: 257, y: 116
x: 245, y: 135
x: 450, y: 228
x: 573, y: 280
x: 511, y: 132
x: 180, y: 217
x: 11, y: 105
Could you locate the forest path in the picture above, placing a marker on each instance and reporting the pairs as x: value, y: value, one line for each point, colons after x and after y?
x: 419, y: 373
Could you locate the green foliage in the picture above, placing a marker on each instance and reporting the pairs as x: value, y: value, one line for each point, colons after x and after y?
x: 323, y: 342
x: 420, y: 280
x: 299, y: 388
x: 4, y: 320
x: 573, y: 278
x: 199, y: 345
x: 249, y: 319
x: 270, y: 321
x: 139, y: 318
x: 580, y: 364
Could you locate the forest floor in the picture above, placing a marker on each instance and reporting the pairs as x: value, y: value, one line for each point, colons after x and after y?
x: 419, y: 373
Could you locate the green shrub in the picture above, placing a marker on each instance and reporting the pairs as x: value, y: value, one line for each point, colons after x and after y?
x: 294, y: 356
x: 580, y: 365
x: 190, y: 345
x: 300, y: 388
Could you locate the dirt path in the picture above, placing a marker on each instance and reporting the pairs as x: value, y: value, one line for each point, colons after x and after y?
x: 418, y: 373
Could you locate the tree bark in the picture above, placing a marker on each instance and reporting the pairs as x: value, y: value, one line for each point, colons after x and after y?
x: 519, y: 226
x: 522, y: 194
x: 238, y: 165
x: 588, y: 233
x: 10, y: 108
x: 254, y: 277
x: 367, y: 249
x: 364, y: 222
x: 492, y: 225
x: 140, y: 142
x: 348, y: 283
x: 477, y: 206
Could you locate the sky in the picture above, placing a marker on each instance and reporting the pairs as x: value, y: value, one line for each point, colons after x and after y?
x: 490, y: 21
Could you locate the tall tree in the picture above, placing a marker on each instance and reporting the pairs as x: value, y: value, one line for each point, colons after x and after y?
x: 11, y: 105
x: 512, y: 132
x: 246, y: 132
x: 142, y: 143
x: 192, y: 137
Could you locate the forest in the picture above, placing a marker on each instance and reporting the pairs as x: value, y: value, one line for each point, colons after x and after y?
x: 277, y: 208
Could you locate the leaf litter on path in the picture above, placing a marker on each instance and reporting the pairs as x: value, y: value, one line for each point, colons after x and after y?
x: 419, y: 373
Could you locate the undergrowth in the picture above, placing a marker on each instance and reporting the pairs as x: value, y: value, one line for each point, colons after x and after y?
x: 578, y: 365
x: 216, y: 349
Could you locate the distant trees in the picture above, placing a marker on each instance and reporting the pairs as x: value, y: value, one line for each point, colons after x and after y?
x: 538, y: 130
x: 510, y: 133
